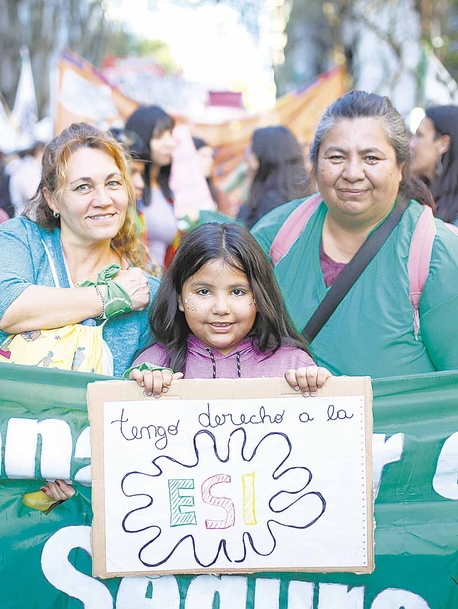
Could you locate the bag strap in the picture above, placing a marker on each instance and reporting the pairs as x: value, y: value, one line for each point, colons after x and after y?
x: 420, y: 251
x: 421, y: 247
x: 353, y: 270
x: 293, y: 227
x: 51, y: 264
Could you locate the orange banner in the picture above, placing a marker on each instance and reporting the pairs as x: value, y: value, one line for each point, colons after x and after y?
x: 299, y: 110
x: 83, y: 94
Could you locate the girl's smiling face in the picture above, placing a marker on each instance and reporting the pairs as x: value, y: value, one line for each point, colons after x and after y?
x: 218, y: 305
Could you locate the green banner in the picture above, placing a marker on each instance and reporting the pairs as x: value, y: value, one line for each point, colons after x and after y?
x: 45, y: 559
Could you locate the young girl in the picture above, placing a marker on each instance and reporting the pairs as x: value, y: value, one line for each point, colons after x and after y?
x: 219, y: 314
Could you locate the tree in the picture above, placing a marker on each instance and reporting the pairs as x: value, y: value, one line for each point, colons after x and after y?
x: 46, y: 26
x: 439, y: 24
x: 123, y: 44
x: 378, y: 39
x: 310, y: 44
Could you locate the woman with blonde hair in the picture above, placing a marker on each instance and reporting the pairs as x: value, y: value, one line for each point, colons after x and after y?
x: 75, y: 254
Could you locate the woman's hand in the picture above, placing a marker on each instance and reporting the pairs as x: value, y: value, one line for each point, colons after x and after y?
x: 307, y: 379
x: 135, y: 283
x: 58, y: 490
x: 155, y: 382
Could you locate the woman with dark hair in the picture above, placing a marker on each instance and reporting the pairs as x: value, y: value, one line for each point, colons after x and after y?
x: 138, y: 155
x: 155, y: 128
x: 205, y: 154
x: 219, y: 313
x: 434, y: 149
x: 276, y: 171
x: 360, y: 157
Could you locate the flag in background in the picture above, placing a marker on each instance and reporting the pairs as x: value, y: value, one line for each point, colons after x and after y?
x: 84, y: 94
x: 436, y: 84
x: 25, y: 110
x: 8, y: 135
x: 299, y: 110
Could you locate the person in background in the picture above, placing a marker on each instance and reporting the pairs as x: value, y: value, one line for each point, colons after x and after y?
x: 276, y: 171
x: 155, y: 126
x: 25, y: 178
x: 305, y: 146
x: 361, y: 160
x: 219, y: 314
x: 236, y: 187
x: 434, y: 149
x: 205, y: 154
x: 9, y: 162
x: 139, y: 157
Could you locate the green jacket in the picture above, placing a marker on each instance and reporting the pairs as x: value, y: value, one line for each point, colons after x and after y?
x: 372, y: 330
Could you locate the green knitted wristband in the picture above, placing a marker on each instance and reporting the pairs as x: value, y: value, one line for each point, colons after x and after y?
x: 116, y: 301
x: 145, y: 366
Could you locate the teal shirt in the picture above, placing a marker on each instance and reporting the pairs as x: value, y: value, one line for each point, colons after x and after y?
x: 372, y: 331
x: 23, y: 262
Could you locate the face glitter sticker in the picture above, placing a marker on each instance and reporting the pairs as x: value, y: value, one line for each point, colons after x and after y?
x: 189, y: 304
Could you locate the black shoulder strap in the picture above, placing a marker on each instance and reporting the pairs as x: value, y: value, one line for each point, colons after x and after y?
x: 353, y: 270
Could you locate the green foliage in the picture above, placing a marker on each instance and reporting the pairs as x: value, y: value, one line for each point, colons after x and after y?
x: 123, y: 43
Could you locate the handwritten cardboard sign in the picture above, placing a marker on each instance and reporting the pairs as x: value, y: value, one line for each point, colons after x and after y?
x: 226, y: 476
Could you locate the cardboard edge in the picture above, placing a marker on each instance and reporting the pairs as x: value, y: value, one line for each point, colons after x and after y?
x: 95, y: 400
x: 188, y: 389
x: 149, y: 573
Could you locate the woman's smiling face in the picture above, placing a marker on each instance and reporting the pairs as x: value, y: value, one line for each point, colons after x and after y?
x: 94, y: 201
x: 357, y: 172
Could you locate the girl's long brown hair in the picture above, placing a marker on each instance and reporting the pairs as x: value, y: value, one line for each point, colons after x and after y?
x: 234, y: 245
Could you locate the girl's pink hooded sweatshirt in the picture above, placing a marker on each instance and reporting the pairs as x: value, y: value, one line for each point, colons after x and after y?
x: 245, y: 361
